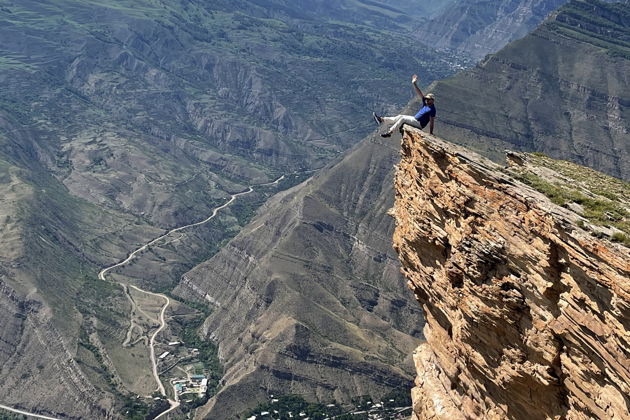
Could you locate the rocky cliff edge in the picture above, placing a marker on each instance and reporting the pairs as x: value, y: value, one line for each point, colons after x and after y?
x: 527, y: 309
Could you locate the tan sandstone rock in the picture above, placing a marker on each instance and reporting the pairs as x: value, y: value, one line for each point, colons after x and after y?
x: 527, y: 313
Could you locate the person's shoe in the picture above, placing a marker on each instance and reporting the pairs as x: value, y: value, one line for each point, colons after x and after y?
x: 388, y: 134
x: 378, y: 119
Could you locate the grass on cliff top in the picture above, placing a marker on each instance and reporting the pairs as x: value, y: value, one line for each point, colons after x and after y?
x: 594, y: 181
x: 605, y: 200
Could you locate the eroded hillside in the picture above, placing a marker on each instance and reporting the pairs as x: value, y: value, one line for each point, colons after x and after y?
x: 122, y: 119
x: 308, y: 298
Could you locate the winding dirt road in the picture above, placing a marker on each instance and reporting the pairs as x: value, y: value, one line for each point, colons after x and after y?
x: 26, y: 413
x: 156, y: 376
x: 167, y: 301
x: 101, y: 275
x: 132, y: 255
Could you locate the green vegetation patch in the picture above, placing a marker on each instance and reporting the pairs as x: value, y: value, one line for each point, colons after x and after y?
x: 135, y: 408
x: 8, y: 415
x: 594, y: 181
x: 605, y: 200
x: 291, y: 406
x: 208, y: 352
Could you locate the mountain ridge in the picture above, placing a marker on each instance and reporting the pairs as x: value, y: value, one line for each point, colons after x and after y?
x: 554, y: 91
x: 262, y: 276
x: 478, y: 27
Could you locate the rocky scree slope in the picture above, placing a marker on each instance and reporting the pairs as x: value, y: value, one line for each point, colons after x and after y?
x: 308, y: 298
x: 527, y: 310
x: 562, y: 90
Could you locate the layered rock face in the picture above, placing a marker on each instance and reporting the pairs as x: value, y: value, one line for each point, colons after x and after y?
x: 527, y: 313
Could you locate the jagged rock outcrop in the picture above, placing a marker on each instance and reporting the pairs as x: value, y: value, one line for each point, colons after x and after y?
x: 527, y: 312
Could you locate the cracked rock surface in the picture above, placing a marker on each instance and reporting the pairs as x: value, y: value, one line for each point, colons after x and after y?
x: 527, y: 313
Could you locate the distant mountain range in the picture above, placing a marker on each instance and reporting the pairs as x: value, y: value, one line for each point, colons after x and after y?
x: 390, y: 14
x: 119, y: 120
x: 481, y: 27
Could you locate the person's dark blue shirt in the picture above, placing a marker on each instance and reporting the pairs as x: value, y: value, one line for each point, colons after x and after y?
x: 425, y: 113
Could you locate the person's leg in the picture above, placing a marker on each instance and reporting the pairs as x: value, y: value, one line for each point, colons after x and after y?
x: 395, y: 120
x: 392, y: 119
x: 405, y: 119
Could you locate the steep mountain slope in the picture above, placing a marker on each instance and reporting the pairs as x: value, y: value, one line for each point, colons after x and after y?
x: 481, y: 27
x: 400, y: 14
x: 527, y: 302
x: 308, y: 298
x: 562, y: 90
x: 51, y: 243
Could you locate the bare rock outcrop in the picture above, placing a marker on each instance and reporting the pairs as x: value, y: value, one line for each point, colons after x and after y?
x: 527, y: 312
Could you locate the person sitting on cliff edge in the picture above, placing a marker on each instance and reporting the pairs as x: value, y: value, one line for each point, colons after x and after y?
x: 425, y: 116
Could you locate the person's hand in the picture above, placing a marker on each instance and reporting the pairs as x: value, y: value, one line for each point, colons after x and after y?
x: 414, y: 79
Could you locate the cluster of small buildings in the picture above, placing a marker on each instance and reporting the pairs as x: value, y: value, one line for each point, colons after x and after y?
x: 195, y: 384
x: 265, y: 414
x: 374, y: 411
x: 173, y: 352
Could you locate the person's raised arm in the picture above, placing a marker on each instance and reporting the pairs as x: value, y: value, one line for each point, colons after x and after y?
x: 414, y: 79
